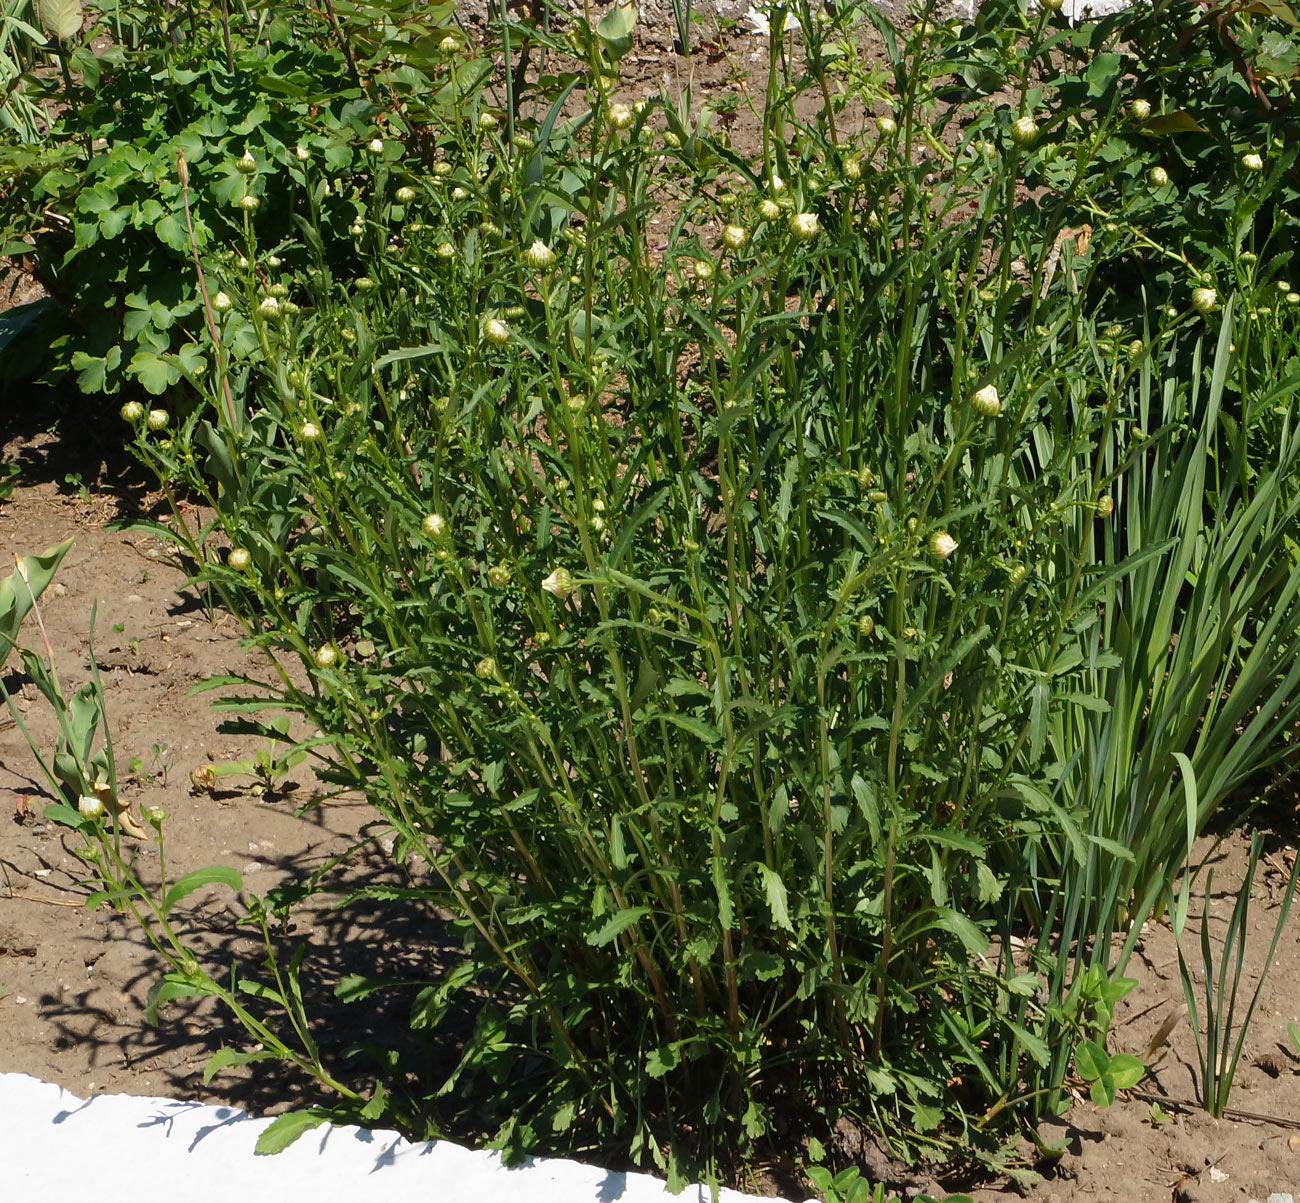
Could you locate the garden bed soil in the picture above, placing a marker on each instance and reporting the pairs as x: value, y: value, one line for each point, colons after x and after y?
x: 73, y: 980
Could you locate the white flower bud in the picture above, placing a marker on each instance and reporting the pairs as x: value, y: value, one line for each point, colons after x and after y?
x: 804, y: 226
x: 434, y: 526
x: 559, y: 584
x: 132, y: 411
x: 496, y: 331
x: 1139, y: 109
x: 942, y: 544
x: 735, y: 236
x: 1024, y: 130
x: 768, y: 209
x: 89, y: 807
x: 238, y: 559
x: 449, y: 45
x: 405, y: 194
x: 886, y: 126
x: 487, y: 122
x: 376, y: 146
x: 539, y: 255
x: 702, y: 269
x: 301, y: 153
x: 1204, y: 300
x: 1252, y: 162
x: 325, y: 656
x: 157, y: 419
x: 269, y: 307
x: 986, y: 402
x: 620, y: 116
x: 309, y: 432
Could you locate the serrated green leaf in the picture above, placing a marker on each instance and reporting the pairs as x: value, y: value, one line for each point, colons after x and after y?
x: 615, y: 925
x: 777, y: 899
x: 224, y: 1058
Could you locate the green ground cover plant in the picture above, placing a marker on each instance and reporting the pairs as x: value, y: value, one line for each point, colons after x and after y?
x: 797, y: 654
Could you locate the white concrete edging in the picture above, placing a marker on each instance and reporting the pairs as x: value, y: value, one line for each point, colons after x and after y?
x: 117, y: 1148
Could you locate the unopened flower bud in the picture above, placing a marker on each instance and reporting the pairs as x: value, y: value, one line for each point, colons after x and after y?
x: 498, y: 576
x: 309, y: 432
x: 1158, y: 177
x: 1024, y: 130
x: 620, y: 116
x: 986, y: 402
x: 886, y: 126
x: 1139, y: 109
x: 376, y: 146
x: 89, y: 806
x: 1015, y: 574
x: 804, y: 226
x: 1105, y: 506
x: 702, y: 269
x: 866, y: 624
x: 539, y: 255
x: 434, y: 526
x: 942, y: 544
x: 496, y: 331
x: 559, y: 584
x: 735, y: 236
x: 132, y: 411
x: 250, y: 204
x: 1204, y: 300
x: 239, y: 559
x: 246, y: 165
x: 221, y: 303
x: 301, y: 153
x: 157, y: 419
x: 405, y: 194
x: 768, y: 209
x: 325, y: 656
x: 486, y: 668
x: 1252, y: 162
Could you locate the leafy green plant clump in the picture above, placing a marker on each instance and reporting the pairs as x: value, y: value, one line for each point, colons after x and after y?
x: 799, y: 650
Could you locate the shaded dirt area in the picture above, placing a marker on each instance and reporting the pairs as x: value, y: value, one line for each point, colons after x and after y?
x: 73, y: 981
